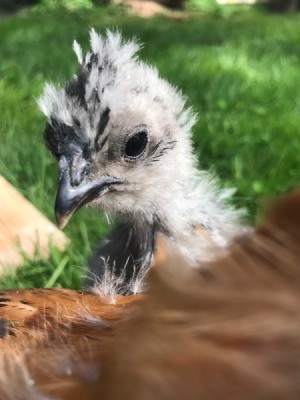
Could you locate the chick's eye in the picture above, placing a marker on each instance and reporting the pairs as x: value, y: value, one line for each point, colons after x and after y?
x: 136, y: 145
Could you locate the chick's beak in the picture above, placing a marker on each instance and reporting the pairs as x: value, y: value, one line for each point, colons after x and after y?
x: 72, y: 194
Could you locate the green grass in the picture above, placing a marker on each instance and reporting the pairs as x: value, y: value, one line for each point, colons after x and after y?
x: 241, y: 74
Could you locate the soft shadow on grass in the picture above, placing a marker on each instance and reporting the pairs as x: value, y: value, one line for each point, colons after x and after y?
x: 241, y: 75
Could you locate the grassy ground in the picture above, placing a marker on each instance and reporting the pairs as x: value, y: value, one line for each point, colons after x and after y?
x: 241, y: 74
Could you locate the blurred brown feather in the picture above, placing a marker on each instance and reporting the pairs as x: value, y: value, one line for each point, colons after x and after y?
x: 230, y: 329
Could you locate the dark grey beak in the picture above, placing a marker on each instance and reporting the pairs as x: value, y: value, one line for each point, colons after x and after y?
x: 71, y: 197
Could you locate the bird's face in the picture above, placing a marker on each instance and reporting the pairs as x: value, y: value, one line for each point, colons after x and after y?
x: 117, y: 132
x: 125, y: 168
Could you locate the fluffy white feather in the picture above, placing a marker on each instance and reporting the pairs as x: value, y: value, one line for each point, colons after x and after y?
x: 166, y: 185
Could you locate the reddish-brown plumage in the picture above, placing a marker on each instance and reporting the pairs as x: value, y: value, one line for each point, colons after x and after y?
x: 62, y: 335
x: 230, y: 330
x: 28, y: 307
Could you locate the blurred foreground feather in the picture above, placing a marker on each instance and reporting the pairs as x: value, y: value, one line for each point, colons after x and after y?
x: 230, y: 330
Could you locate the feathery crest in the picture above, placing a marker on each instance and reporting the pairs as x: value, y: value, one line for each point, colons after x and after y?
x: 110, y: 77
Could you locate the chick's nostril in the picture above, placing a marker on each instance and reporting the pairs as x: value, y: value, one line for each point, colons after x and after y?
x: 78, y: 170
x: 77, y: 178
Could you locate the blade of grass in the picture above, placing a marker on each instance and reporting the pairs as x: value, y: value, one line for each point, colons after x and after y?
x: 57, y: 272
